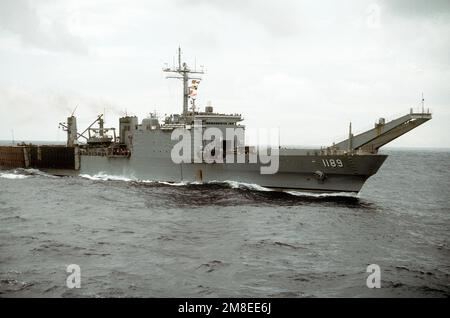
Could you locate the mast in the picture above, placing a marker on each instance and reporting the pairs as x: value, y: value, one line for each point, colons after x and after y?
x: 184, y: 72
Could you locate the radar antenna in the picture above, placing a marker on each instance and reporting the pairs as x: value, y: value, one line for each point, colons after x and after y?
x: 184, y: 72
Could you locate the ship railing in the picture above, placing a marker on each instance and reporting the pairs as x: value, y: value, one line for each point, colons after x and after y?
x: 324, y: 151
x: 420, y: 111
x: 99, y: 152
x: 330, y: 151
x: 118, y: 152
x: 106, y: 152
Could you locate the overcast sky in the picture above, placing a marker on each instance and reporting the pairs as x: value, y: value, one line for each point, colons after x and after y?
x: 308, y: 67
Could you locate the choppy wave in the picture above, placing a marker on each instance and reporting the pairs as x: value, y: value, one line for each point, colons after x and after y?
x: 101, y: 176
x: 176, y: 184
x: 8, y: 175
x: 228, y: 183
x: 323, y: 195
x: 243, y: 185
x: 311, y: 244
x: 21, y: 173
x: 35, y: 172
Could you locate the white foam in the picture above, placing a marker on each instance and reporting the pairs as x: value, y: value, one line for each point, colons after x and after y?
x: 101, y: 176
x: 146, y: 181
x: 22, y: 173
x: 322, y: 195
x: 243, y: 185
x: 12, y: 176
x: 176, y: 184
x: 34, y: 172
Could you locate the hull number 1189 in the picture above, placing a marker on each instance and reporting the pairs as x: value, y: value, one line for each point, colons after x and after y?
x: 334, y: 163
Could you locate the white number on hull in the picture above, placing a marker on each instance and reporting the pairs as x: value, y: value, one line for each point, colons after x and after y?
x: 334, y: 163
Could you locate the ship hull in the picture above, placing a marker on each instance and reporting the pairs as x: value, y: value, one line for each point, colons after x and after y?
x: 299, y: 173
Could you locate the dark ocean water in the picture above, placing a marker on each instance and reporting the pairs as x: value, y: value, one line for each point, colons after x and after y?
x: 140, y: 239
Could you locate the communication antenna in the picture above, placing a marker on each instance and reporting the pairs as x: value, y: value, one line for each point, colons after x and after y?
x: 74, y: 110
x: 423, y: 104
x: 279, y: 137
x: 184, y: 72
x: 12, y: 134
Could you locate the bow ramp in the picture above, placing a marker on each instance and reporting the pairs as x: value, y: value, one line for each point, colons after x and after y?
x: 383, y: 132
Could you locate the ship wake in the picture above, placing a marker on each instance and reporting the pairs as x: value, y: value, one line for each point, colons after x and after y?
x: 21, y: 173
x: 225, y: 184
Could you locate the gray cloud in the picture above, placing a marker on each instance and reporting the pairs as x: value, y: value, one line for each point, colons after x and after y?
x: 418, y: 8
x: 277, y: 18
x: 21, y: 18
x: 300, y: 65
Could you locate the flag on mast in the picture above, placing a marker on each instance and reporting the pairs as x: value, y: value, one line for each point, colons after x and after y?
x: 193, y: 89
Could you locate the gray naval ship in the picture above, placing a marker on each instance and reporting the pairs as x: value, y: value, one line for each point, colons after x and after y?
x: 143, y: 151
